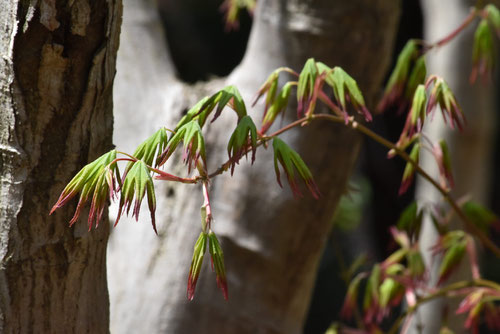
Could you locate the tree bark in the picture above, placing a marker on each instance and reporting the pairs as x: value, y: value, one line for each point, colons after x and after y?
x: 57, y: 68
x: 272, y: 243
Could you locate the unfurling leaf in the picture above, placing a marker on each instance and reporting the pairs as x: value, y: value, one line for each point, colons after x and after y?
x: 483, y: 52
x: 372, y: 297
x: 194, y: 271
x: 278, y: 106
x: 480, y: 216
x: 137, y: 183
x: 97, y: 180
x: 243, y: 137
x: 305, y: 88
x: 351, y: 298
x: 218, y: 262
x: 290, y: 161
x: 229, y: 95
x: 150, y: 149
x: 409, y: 171
x: 416, y: 264
x: 415, y: 119
x: 345, y: 87
x: 410, y: 220
x: 196, y: 113
x: 453, y: 247
x: 417, y: 77
x: 194, y: 144
x: 442, y: 95
x: 442, y: 156
x: 395, y: 88
x: 269, y: 88
x: 232, y: 9
x: 493, y: 15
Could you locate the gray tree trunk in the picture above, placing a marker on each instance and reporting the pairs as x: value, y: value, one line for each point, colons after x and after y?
x: 272, y: 242
x: 57, y: 67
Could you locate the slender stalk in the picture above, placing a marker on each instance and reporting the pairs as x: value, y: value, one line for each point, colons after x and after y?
x: 454, y: 33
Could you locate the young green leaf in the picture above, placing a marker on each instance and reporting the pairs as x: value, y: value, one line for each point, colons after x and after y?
x: 443, y: 160
x: 244, y: 135
x: 483, y: 52
x: 417, y: 77
x: 442, y: 95
x: 194, y: 144
x: 218, y: 262
x: 278, y: 106
x: 453, y: 247
x: 194, y: 271
x: 305, y: 88
x: 395, y: 88
x: 269, y: 88
x: 232, y: 9
x: 197, y: 113
x: 493, y: 15
x: 137, y: 183
x: 96, y: 179
x: 409, y: 171
x: 229, y: 95
x: 372, y: 296
x: 410, y: 220
x: 351, y: 298
x: 150, y: 149
x: 482, y: 217
x: 290, y: 161
x: 345, y: 87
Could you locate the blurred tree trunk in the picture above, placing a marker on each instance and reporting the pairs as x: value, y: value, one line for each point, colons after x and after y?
x: 471, y: 151
x: 272, y: 243
x: 57, y: 67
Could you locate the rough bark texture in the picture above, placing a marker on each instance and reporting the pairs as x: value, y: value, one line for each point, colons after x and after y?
x: 57, y: 67
x: 272, y: 242
x: 471, y: 151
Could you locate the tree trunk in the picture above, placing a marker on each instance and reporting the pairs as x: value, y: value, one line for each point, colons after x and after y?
x: 272, y: 243
x: 56, y: 74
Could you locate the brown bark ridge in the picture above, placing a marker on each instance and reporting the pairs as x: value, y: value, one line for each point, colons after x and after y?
x: 272, y: 243
x: 57, y: 68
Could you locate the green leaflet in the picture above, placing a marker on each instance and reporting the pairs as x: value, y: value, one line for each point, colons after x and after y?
x: 228, y: 95
x: 197, y: 113
x: 479, y: 215
x: 493, y: 16
x: 418, y: 106
x: 138, y: 182
x: 194, y: 144
x: 403, y: 64
x: 410, y: 220
x: 289, y: 159
x: 194, y: 271
x: 306, y: 79
x: 218, y: 262
x: 417, y: 77
x: 279, y: 105
x: 150, y: 149
x: 245, y: 131
x: 90, y: 172
x: 343, y: 82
